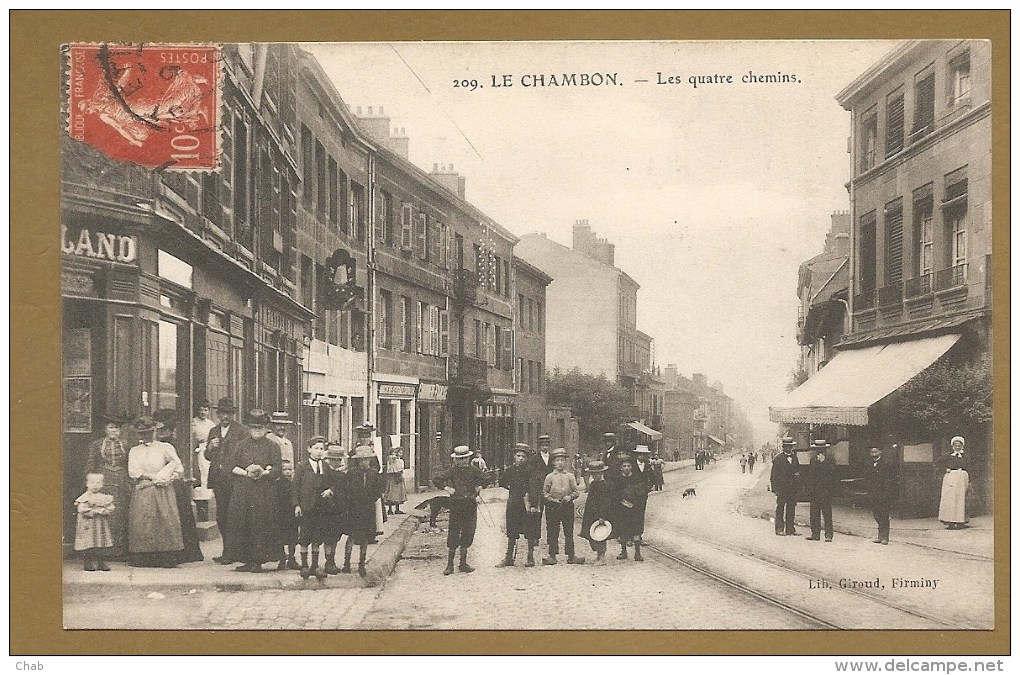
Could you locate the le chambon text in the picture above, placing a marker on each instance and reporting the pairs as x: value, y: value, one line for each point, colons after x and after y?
x: 613, y: 79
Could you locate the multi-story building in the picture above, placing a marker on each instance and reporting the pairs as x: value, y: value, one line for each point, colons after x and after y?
x: 823, y: 283
x: 920, y: 259
x: 529, y: 347
x: 183, y: 286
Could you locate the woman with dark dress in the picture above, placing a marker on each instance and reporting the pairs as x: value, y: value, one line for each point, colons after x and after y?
x: 523, y: 516
x: 252, y: 516
x: 630, y: 496
x: 363, y: 487
x: 598, y: 507
x: 109, y: 456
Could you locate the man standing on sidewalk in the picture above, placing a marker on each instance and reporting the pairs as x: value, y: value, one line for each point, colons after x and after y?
x: 784, y: 478
x: 558, y: 493
x: 881, y: 483
x: 463, y: 483
x: 221, y: 450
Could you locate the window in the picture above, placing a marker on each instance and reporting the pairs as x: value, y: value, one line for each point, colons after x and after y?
x: 444, y: 246
x: 867, y: 253
x: 923, y: 242
x: 893, y: 242
x: 956, y: 222
x: 959, y: 79
x: 444, y: 332
x: 217, y: 365
x: 498, y: 334
x: 242, y: 232
x: 894, y: 124
x: 954, y: 208
x: 459, y: 248
x: 385, y: 317
x: 531, y: 315
x: 506, y: 278
x: 423, y: 328
x: 508, y: 349
x: 499, y: 275
x: 407, y: 323
x: 434, y: 330
x: 358, y: 212
x: 388, y: 234
x: 478, y: 339
x: 541, y: 317
x: 531, y: 377
x: 423, y: 236
x: 520, y: 310
x: 924, y: 102
x: 406, y: 224
x: 307, y: 168
x: 869, y: 139
x: 307, y: 287
x: 490, y: 344
x: 321, y: 196
x: 539, y: 376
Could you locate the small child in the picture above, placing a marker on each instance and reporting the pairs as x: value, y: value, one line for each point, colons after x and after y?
x: 363, y: 486
x: 523, y: 517
x: 559, y: 492
x: 93, y: 535
x: 287, y: 518
x: 309, y: 506
x: 598, y: 507
x: 463, y: 484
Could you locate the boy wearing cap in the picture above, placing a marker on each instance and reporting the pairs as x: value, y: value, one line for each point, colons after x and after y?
x: 523, y: 517
x: 598, y: 505
x: 281, y: 422
x: 309, y: 506
x: 463, y: 484
x: 821, y: 486
x: 558, y: 493
x: 335, y: 519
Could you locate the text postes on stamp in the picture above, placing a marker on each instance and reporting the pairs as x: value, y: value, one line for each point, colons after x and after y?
x: 155, y: 105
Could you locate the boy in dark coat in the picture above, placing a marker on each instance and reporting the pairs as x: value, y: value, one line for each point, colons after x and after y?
x: 598, y: 507
x: 630, y: 496
x: 363, y: 486
x: 523, y: 517
x: 309, y: 506
x: 463, y: 484
x: 287, y: 518
x: 821, y: 486
x: 334, y: 511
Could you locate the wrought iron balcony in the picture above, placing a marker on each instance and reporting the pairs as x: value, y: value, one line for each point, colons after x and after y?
x: 865, y: 300
x: 952, y: 277
x: 465, y: 285
x: 468, y: 371
x: 919, y: 286
x: 891, y: 294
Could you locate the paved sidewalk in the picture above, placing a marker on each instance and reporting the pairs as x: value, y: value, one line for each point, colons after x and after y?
x: 975, y: 540
x: 208, y: 575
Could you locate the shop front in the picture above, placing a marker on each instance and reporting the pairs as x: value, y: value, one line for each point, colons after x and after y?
x: 396, y: 417
x: 430, y: 432
x: 494, y: 429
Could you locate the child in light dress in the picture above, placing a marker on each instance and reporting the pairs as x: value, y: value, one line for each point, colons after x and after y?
x: 93, y: 536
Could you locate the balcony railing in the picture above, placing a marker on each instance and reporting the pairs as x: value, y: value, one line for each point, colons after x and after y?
x: 919, y: 286
x: 465, y: 285
x: 468, y: 371
x: 865, y: 300
x: 891, y: 294
x: 953, y: 277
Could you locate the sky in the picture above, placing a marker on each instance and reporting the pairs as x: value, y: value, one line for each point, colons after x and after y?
x: 713, y: 194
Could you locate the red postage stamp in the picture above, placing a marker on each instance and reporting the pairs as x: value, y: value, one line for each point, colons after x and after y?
x: 156, y: 105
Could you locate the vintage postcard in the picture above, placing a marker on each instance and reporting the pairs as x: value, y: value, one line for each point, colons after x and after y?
x: 580, y: 335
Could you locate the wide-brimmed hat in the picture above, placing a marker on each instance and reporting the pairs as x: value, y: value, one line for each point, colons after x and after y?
x: 316, y: 439
x: 461, y: 452
x: 544, y: 437
x: 257, y: 418
x: 226, y: 405
x: 147, y: 423
x: 280, y: 417
x: 642, y: 449
x: 958, y: 438
x: 335, y: 451
x: 820, y: 444
x: 363, y: 452
x: 365, y: 426
x: 609, y: 436
x: 558, y: 452
x: 600, y: 531
x: 596, y: 467
x: 787, y: 440
x: 115, y: 418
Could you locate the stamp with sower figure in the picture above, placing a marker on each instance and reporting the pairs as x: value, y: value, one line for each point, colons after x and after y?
x: 155, y: 105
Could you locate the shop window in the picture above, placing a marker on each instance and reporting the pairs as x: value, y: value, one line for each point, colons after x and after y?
x: 217, y: 365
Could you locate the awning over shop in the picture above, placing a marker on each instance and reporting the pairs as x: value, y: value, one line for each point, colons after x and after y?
x: 715, y: 440
x: 651, y: 433
x: 855, y: 379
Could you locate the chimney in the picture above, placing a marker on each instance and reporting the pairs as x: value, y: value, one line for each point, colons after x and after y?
x: 584, y: 238
x: 376, y: 125
x: 399, y: 143
x: 450, y: 179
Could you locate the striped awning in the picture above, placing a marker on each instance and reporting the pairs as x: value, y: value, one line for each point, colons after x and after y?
x: 856, y: 379
x: 651, y: 433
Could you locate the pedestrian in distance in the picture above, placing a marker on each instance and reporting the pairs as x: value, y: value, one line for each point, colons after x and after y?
x: 463, y: 484
x: 287, y: 517
x: 335, y: 514
x: 880, y: 481
x: 955, y: 481
x: 750, y: 462
x: 395, y: 494
x: 254, y: 510
x: 363, y: 485
x: 559, y: 492
x: 220, y: 449
x: 631, y: 497
x: 743, y: 463
x: 821, y: 487
x: 523, y: 515
x: 658, y: 467
x: 598, y: 509
x: 310, y: 507
x: 785, y: 479
x: 93, y: 536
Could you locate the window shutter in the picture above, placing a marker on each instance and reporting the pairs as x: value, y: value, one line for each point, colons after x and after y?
x: 444, y: 246
x: 894, y: 242
x: 444, y: 332
x: 421, y: 324
x: 924, y: 104
x: 406, y: 216
x: 377, y: 218
x: 423, y: 234
x: 435, y: 243
x: 497, y: 334
x: 435, y: 331
x: 508, y: 349
x: 894, y: 125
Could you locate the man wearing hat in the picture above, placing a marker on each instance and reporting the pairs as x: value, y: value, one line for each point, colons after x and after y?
x: 785, y: 478
x: 541, y: 465
x: 523, y: 516
x: 821, y: 486
x: 558, y: 493
x: 610, y: 456
x: 881, y: 483
x: 221, y: 449
x: 335, y: 520
x: 281, y: 422
x: 463, y: 484
x: 642, y: 464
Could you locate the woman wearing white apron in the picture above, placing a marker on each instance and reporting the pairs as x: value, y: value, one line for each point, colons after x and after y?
x: 953, y: 505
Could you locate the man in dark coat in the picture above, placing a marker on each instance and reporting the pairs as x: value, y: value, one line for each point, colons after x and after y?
x: 523, y: 515
x: 881, y: 484
x: 463, y: 483
x: 611, y: 455
x: 253, y: 519
x: 540, y: 465
x: 642, y: 464
x: 785, y: 478
x: 821, y: 486
x: 220, y: 450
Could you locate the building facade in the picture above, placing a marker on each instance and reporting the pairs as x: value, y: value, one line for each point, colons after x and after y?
x: 920, y: 261
x: 529, y: 321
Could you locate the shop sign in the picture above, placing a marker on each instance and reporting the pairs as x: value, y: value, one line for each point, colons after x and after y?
x: 396, y: 390
x: 502, y: 399
x: 431, y: 391
x: 99, y: 245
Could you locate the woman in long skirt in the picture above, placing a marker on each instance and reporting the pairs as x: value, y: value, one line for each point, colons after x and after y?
x: 953, y: 505
x: 109, y: 456
x: 394, y: 495
x: 154, y: 525
x: 183, y: 486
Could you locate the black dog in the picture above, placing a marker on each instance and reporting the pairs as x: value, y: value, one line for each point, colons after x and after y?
x: 690, y: 492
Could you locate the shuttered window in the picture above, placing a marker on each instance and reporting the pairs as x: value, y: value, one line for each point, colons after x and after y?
x: 894, y: 124
x: 423, y: 236
x: 867, y: 252
x: 406, y: 225
x: 894, y: 242
x: 923, y: 236
x: 508, y: 349
x: 869, y: 139
x: 924, y: 103
x: 444, y: 332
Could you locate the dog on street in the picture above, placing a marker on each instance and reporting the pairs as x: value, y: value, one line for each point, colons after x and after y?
x: 690, y: 492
